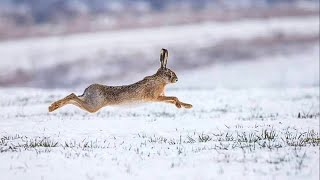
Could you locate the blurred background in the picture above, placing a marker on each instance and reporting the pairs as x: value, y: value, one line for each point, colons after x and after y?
x: 211, y: 43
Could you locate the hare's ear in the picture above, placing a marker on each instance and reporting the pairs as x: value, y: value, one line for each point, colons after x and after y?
x: 163, y: 58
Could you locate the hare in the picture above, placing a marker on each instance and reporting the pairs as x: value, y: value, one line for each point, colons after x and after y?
x: 150, y: 89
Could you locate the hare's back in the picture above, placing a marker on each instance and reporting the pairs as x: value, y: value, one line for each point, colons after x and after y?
x: 98, y: 92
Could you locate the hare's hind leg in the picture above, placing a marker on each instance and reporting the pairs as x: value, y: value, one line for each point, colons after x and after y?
x: 72, y: 99
x: 83, y: 105
x: 60, y: 103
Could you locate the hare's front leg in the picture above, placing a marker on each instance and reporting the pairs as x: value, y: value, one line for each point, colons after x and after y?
x: 186, y: 105
x: 174, y: 100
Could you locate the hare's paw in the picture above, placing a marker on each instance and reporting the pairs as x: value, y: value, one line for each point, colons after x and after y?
x: 188, y: 106
x: 53, y: 107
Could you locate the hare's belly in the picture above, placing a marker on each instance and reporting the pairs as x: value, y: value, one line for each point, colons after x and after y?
x: 123, y: 99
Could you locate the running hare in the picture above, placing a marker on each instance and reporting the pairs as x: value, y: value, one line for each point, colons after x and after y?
x: 150, y: 89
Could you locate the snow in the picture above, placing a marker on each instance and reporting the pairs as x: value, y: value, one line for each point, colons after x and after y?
x: 151, y: 141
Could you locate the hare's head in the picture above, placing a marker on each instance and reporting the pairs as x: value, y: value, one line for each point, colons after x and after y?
x: 165, y: 73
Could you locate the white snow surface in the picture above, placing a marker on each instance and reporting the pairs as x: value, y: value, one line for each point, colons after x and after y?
x: 159, y: 141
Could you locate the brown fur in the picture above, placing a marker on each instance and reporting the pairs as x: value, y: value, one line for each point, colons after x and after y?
x: 150, y: 89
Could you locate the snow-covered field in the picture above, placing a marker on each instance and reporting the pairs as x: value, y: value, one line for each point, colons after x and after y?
x: 250, y: 119
x: 229, y: 134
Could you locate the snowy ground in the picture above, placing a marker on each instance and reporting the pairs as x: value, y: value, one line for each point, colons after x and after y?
x: 252, y: 119
x: 229, y: 134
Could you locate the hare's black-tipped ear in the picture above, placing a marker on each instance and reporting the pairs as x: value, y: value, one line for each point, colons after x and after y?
x: 163, y: 58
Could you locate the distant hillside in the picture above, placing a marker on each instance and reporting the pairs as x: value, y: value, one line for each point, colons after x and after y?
x: 25, y: 18
x: 37, y: 11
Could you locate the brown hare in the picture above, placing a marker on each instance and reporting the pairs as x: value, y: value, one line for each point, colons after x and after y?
x: 150, y: 89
